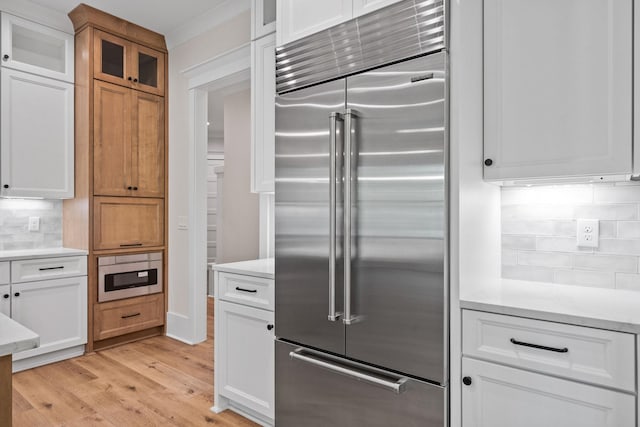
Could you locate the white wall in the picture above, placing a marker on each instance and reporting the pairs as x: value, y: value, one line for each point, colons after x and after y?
x: 221, y: 39
x: 240, y: 226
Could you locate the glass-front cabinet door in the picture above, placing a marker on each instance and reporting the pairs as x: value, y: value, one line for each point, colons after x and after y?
x: 37, y: 49
x: 128, y: 64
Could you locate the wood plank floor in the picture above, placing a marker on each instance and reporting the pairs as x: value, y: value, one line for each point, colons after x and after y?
x: 154, y: 382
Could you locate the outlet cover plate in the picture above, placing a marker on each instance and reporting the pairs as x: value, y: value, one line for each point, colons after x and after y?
x: 588, y: 233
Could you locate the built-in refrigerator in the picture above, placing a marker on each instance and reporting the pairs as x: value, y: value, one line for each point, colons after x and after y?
x: 361, y: 247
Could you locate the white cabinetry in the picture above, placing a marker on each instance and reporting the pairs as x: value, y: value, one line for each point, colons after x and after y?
x: 300, y: 18
x: 36, y: 148
x: 244, y: 350
x: 557, y: 88
x: 263, y: 111
x: 48, y: 296
x: 36, y: 110
x: 524, y: 372
x: 263, y: 18
x: 362, y: 7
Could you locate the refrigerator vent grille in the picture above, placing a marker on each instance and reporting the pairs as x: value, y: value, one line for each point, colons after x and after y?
x: 403, y: 30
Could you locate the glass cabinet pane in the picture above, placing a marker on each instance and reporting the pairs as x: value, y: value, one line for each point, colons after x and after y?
x: 147, y: 69
x: 38, y: 49
x: 268, y: 11
x: 112, y: 59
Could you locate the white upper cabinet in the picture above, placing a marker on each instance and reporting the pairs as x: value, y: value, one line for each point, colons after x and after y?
x: 300, y: 18
x: 263, y: 111
x: 36, y: 49
x: 36, y: 136
x: 557, y: 88
x: 362, y: 7
x: 263, y: 18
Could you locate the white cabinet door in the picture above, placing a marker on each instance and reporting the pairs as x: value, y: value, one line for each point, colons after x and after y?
x: 36, y: 49
x: 557, y: 88
x: 263, y: 113
x: 36, y: 139
x: 499, y: 396
x: 54, y: 309
x: 5, y: 300
x: 245, y: 364
x: 299, y: 18
x: 362, y: 7
x: 263, y: 18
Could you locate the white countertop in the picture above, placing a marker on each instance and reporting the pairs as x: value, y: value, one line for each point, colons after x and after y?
x: 15, y: 338
x: 257, y: 267
x: 39, y: 253
x: 617, y: 310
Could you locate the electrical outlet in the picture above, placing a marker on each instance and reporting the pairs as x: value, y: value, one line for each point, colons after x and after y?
x: 587, y: 233
x: 34, y: 223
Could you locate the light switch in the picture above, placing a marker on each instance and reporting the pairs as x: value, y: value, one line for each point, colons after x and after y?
x: 34, y: 223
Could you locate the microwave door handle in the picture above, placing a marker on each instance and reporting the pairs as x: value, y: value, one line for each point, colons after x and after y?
x: 333, y: 136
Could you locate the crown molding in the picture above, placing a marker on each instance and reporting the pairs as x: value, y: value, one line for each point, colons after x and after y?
x: 40, y: 14
x: 215, y: 16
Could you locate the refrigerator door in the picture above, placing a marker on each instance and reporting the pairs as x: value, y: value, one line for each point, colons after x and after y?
x: 398, y: 289
x: 305, y: 133
x: 317, y: 390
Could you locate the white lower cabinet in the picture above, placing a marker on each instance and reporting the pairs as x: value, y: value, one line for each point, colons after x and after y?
x: 5, y: 300
x: 501, y: 396
x: 244, y: 351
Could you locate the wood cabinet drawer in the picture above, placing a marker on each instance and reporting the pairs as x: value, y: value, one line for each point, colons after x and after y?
x: 29, y: 270
x: 129, y: 315
x: 248, y: 290
x: 128, y: 222
x: 591, y: 355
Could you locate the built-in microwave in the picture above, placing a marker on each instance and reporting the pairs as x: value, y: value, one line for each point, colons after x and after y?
x: 126, y: 276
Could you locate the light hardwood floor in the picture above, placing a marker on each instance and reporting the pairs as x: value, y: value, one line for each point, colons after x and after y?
x: 154, y: 382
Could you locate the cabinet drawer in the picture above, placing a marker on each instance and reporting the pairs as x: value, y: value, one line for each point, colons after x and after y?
x: 116, y: 318
x: 128, y: 222
x: 592, y: 355
x: 247, y: 290
x: 29, y: 270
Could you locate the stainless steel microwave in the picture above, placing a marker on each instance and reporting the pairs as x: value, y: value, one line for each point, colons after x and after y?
x: 126, y: 276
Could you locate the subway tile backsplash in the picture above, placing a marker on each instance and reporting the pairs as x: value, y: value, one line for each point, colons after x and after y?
x: 539, y: 234
x: 14, y: 224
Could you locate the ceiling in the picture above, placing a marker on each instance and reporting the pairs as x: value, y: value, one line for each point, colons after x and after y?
x: 161, y: 16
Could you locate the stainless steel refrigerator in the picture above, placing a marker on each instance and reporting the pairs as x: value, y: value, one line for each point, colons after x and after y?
x: 360, y: 262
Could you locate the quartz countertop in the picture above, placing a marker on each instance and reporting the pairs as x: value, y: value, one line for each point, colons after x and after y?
x: 612, y: 309
x: 15, y: 338
x: 258, y: 267
x: 39, y: 253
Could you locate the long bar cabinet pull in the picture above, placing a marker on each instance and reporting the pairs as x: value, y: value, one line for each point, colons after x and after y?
x: 541, y: 347
x: 251, y: 291
x: 127, y: 316
x: 130, y: 245
x: 349, y: 150
x: 60, y: 267
x: 333, y: 137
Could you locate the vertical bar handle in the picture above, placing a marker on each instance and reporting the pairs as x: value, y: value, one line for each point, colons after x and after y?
x: 349, y: 150
x: 333, y: 132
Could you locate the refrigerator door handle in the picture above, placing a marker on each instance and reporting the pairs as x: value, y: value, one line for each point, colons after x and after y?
x: 349, y: 181
x: 398, y: 386
x: 333, y: 135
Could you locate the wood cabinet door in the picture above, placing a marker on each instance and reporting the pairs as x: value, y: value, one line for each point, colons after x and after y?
x: 111, y: 140
x: 245, y: 363
x: 127, y: 222
x: 557, y: 88
x: 147, y: 144
x: 147, y: 69
x: 55, y: 309
x: 500, y: 396
x: 37, y: 152
x: 111, y: 61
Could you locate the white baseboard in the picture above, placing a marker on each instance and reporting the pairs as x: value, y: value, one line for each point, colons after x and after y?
x: 45, y: 359
x: 179, y: 327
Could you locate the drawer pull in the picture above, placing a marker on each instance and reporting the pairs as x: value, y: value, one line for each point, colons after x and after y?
x: 541, y: 347
x: 51, y: 268
x: 127, y: 316
x: 251, y: 291
x: 130, y: 245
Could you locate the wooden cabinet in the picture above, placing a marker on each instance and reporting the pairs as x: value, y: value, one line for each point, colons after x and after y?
x: 129, y: 64
x: 129, y: 315
x: 36, y: 49
x: 131, y: 222
x: 244, y: 351
x: 263, y: 18
x: 557, y: 88
x: 263, y: 112
x: 128, y: 153
x: 5, y: 300
x: 527, y: 372
x: 300, y: 18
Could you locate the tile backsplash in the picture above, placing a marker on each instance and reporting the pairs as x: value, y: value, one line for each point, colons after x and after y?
x: 539, y: 234
x: 14, y: 224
